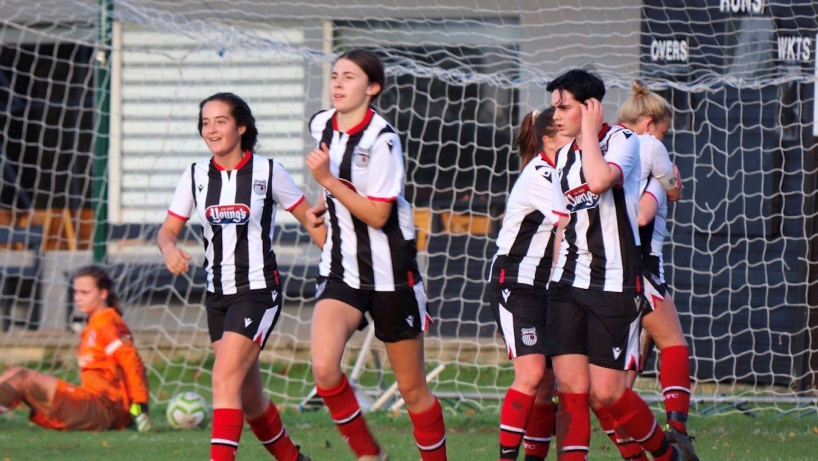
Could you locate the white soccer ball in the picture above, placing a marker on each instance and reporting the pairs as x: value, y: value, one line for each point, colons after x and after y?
x: 188, y: 410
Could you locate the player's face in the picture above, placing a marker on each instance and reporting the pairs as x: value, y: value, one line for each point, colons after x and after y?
x: 659, y: 129
x: 567, y: 113
x: 88, y: 297
x: 219, y: 129
x: 350, y: 87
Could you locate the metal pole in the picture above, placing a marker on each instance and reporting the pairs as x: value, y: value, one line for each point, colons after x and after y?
x: 102, y: 97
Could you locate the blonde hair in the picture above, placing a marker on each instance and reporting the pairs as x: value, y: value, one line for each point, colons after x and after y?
x: 643, y: 103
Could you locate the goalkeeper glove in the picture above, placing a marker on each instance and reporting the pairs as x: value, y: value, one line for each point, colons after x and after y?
x: 141, y: 418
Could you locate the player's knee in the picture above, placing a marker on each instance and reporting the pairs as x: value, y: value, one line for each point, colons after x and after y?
x: 528, y: 382
x: 414, y: 393
x: 16, y: 376
x: 326, y: 372
x: 225, y: 382
x: 601, y: 398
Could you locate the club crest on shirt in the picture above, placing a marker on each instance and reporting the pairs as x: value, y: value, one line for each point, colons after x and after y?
x: 581, y: 198
x: 260, y: 186
x: 360, y: 157
x: 228, y: 214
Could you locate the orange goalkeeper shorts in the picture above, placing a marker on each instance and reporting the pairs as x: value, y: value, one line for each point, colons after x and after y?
x: 76, y: 409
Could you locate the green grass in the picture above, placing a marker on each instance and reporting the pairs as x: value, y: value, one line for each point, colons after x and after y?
x: 471, y: 436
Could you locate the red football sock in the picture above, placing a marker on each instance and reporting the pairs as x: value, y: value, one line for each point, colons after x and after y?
x: 227, y: 425
x: 636, y: 418
x: 270, y: 431
x: 628, y: 448
x: 573, y: 427
x: 513, y: 420
x: 430, y: 433
x: 346, y: 414
x: 538, y: 432
x: 674, y: 374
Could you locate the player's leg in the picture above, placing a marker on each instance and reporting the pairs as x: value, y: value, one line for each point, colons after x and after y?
x: 407, y: 360
x: 519, y: 311
x: 335, y: 318
x: 614, y: 320
x: 35, y: 389
x: 674, y: 370
x: 263, y: 417
x: 566, y: 330
x: 400, y: 319
x: 541, y: 423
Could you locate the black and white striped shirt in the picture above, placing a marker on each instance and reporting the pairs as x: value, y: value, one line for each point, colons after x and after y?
x: 600, y: 246
x: 525, y: 244
x: 369, y: 160
x: 237, y: 210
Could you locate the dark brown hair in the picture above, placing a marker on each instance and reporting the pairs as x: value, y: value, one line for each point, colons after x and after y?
x: 103, y: 282
x: 241, y: 113
x: 535, y: 125
x: 370, y: 63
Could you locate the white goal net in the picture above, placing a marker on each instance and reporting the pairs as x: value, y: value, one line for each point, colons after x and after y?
x: 98, y: 127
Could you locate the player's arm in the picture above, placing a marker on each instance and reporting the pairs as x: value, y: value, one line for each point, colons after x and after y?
x: 311, y: 217
x: 599, y: 174
x: 122, y: 349
x: 665, y: 171
x: 648, y: 204
x: 176, y: 259
x: 181, y: 206
x: 374, y: 211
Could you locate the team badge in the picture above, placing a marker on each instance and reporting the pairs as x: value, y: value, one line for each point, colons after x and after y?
x: 360, y: 157
x: 260, y: 186
x: 529, y: 336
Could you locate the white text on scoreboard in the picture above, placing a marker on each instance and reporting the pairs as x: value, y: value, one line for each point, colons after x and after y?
x: 794, y: 48
x: 669, y: 50
x: 741, y: 6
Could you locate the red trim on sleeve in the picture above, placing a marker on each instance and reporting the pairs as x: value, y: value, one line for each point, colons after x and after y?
x: 560, y: 213
x: 177, y: 216
x: 381, y: 199
x: 651, y: 194
x: 502, y: 275
x: 297, y: 203
x: 621, y: 175
x: 357, y: 128
x: 411, y: 278
x: 244, y: 160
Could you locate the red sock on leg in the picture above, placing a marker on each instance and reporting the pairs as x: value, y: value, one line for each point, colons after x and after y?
x: 227, y: 425
x: 636, y: 418
x: 513, y: 420
x: 538, y: 432
x: 628, y: 447
x: 573, y: 427
x: 271, y: 433
x: 346, y: 414
x: 674, y: 374
x: 430, y: 433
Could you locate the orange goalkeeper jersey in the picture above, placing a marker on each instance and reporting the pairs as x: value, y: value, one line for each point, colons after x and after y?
x: 108, y: 360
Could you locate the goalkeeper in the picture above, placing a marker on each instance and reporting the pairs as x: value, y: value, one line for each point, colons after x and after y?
x: 114, y: 391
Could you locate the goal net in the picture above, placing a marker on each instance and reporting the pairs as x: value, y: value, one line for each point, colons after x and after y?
x: 98, y: 127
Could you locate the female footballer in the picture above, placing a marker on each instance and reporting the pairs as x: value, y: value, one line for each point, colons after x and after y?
x: 114, y: 389
x: 517, y: 290
x: 235, y: 193
x: 368, y: 263
x: 595, y: 297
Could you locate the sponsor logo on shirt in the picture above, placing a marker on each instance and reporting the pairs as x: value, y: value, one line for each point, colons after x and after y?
x: 581, y: 198
x: 228, y: 214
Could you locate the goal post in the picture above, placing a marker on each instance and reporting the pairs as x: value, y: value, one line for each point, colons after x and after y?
x: 461, y: 75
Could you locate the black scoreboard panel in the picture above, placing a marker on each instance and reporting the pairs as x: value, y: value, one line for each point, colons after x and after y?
x: 737, y: 73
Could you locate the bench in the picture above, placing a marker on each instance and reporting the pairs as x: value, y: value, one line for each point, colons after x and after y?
x: 19, y: 282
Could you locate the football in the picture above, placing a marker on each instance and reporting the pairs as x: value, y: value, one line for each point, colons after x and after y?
x: 188, y: 410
